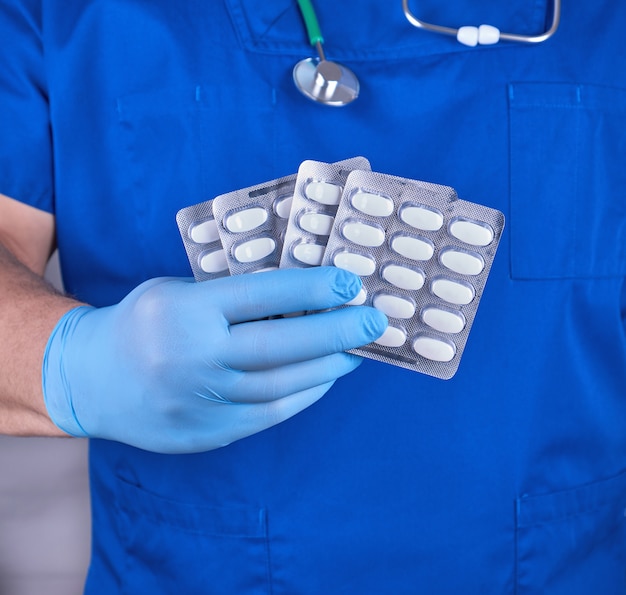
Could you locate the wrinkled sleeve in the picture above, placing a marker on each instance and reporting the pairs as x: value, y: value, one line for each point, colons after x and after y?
x: 26, y: 170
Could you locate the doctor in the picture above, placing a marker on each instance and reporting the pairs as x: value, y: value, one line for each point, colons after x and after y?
x: 216, y: 466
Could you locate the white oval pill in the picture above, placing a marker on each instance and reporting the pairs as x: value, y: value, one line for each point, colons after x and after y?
x: 464, y: 263
x: 412, y: 247
x: 254, y: 250
x: 205, y: 232
x: 403, y: 277
x: 394, y: 306
x: 323, y: 192
x: 421, y: 217
x: 434, y: 349
x: 265, y: 270
x: 355, y: 263
x: 476, y: 233
x: 363, y: 234
x: 282, y: 206
x: 454, y: 292
x: 375, y: 205
x: 444, y: 321
x: 213, y: 262
x: 360, y: 298
x: 392, y: 337
x: 246, y: 220
x: 316, y: 223
x: 311, y: 254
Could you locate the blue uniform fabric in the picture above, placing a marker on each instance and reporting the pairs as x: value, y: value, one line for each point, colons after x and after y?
x: 508, y: 479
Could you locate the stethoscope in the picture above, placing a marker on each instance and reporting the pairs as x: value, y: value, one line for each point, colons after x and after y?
x: 333, y: 84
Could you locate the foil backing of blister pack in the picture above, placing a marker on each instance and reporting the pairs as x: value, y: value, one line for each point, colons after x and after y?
x: 423, y: 256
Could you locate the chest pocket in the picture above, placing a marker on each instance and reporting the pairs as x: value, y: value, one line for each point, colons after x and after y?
x: 185, y: 145
x: 568, y: 207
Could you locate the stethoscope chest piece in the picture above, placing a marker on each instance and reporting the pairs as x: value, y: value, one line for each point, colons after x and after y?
x: 325, y: 81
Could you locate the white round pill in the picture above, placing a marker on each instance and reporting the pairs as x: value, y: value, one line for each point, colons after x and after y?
x: 254, y: 250
x: 360, y: 298
x: 282, y: 206
x: 246, y: 220
x: 464, y: 263
x: 205, y: 232
x: 434, y: 349
x: 372, y: 204
x: 421, y: 217
x: 392, y: 337
x: 476, y: 233
x: 453, y: 292
x: 403, y: 277
x: 311, y: 254
x: 213, y: 262
x: 317, y: 223
x: 363, y: 234
x: 355, y: 263
x: 444, y: 321
x: 323, y: 192
x: 394, y: 306
x: 412, y: 247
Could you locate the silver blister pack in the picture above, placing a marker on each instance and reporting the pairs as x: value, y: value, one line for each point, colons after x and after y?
x: 198, y: 230
x: 318, y: 191
x: 424, y: 257
x: 252, y: 222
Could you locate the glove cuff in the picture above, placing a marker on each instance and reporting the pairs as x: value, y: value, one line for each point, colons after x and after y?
x: 57, y: 391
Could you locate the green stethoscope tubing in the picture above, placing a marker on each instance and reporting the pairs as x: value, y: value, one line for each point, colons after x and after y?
x: 310, y: 22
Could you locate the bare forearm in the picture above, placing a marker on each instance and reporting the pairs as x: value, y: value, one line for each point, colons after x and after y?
x: 29, y: 310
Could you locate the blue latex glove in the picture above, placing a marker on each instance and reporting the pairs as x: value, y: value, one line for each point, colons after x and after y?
x: 177, y: 366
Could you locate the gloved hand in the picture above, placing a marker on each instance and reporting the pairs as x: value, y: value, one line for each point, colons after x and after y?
x: 179, y: 366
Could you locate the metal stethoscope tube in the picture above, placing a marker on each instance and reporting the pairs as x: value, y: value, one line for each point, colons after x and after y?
x: 491, y: 35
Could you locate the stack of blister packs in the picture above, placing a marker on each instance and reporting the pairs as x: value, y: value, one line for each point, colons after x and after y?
x: 423, y: 254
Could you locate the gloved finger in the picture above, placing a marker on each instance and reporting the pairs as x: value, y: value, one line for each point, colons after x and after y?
x: 272, y: 343
x: 256, y: 417
x: 255, y: 296
x: 277, y: 383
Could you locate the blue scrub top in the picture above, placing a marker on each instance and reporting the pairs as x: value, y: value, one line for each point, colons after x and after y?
x: 509, y: 478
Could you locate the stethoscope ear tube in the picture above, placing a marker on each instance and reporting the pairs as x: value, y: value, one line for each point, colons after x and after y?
x: 485, y: 34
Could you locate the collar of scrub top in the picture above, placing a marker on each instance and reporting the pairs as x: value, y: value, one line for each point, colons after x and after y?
x: 485, y: 34
x: 330, y: 83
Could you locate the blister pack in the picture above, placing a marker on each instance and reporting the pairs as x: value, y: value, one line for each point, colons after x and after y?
x: 423, y: 256
x: 198, y: 230
x: 318, y: 191
x: 251, y: 224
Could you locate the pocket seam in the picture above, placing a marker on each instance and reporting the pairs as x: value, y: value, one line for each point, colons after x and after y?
x: 246, y: 522
x: 605, y: 490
